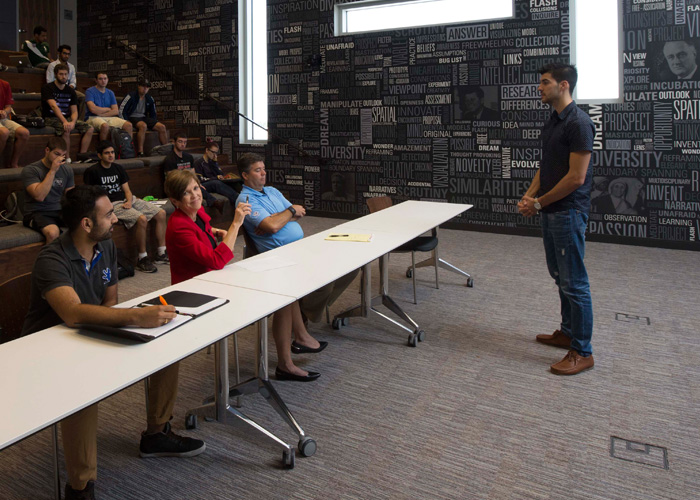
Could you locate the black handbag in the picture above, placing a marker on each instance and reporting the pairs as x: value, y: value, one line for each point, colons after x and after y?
x: 30, y: 121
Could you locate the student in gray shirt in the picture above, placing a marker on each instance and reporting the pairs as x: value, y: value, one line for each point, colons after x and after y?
x: 45, y: 182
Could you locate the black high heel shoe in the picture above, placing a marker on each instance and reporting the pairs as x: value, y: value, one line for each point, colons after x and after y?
x: 301, y: 349
x: 282, y: 375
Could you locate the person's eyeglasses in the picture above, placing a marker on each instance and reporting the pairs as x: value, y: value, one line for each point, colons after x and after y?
x: 213, y: 152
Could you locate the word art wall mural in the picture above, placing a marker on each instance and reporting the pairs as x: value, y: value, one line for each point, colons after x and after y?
x: 445, y: 113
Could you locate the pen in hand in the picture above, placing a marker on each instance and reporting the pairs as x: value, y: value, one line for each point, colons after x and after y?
x: 176, y: 311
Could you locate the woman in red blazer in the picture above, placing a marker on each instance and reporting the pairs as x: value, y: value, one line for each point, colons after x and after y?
x: 190, y: 239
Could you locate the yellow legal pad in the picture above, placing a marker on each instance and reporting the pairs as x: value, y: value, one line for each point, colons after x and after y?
x: 349, y: 237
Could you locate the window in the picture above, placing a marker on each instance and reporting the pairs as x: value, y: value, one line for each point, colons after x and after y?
x: 252, y: 69
x: 377, y: 15
x: 596, y: 41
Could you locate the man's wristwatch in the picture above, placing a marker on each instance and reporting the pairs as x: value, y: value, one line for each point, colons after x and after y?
x: 538, y: 205
x: 291, y: 209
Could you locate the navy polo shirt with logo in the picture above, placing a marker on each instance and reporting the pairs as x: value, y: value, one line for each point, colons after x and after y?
x: 570, y: 131
x: 60, y: 264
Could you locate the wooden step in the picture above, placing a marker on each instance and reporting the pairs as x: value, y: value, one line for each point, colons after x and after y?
x: 5, y: 57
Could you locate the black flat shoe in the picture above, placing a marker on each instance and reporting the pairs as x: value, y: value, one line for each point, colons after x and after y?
x: 282, y: 375
x: 301, y: 349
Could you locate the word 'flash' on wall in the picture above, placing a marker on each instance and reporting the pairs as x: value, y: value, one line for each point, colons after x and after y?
x: 447, y: 113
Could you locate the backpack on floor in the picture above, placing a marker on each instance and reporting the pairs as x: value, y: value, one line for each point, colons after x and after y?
x: 125, y: 268
x: 123, y: 144
x: 12, y: 213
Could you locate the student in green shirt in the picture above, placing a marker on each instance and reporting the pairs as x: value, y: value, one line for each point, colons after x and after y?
x: 38, y: 49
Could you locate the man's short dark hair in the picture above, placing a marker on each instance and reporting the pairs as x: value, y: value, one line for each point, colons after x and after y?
x: 463, y: 90
x: 104, y: 145
x: 79, y: 203
x: 38, y: 30
x: 180, y: 134
x: 60, y: 67
x: 246, y: 161
x: 98, y: 73
x: 56, y: 142
x: 212, y: 144
x: 63, y: 47
x: 562, y: 72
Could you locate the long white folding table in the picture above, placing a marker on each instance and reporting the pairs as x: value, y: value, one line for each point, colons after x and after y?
x: 45, y: 373
x: 317, y: 261
x: 57, y: 372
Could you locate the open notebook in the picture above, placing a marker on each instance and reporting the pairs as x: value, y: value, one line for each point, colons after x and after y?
x: 189, y: 307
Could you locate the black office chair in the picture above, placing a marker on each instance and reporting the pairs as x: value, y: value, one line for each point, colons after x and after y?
x: 419, y: 244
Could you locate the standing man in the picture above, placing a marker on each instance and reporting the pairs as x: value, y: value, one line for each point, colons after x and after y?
x: 139, y: 109
x: 59, y: 105
x: 8, y: 127
x: 130, y: 210
x: 561, y: 193
x: 102, y: 111
x: 75, y: 281
x: 209, y: 173
x: 45, y: 182
x: 38, y: 50
x: 179, y: 159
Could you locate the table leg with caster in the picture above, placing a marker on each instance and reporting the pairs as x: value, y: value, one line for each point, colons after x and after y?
x: 369, y: 304
x: 219, y: 409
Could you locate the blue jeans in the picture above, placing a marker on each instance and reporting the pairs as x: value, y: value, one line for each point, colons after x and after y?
x: 564, y: 245
x: 219, y: 187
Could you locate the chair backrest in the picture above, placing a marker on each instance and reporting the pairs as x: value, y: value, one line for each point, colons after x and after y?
x: 378, y: 203
x: 250, y: 248
x: 14, y: 297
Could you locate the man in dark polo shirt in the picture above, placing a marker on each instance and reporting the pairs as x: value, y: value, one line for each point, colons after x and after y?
x: 75, y: 281
x: 46, y: 181
x: 561, y: 194
x: 179, y: 159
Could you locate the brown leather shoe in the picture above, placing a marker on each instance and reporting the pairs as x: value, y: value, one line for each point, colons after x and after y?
x: 557, y: 339
x: 572, y: 364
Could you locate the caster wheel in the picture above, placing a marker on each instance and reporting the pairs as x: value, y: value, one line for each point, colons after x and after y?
x: 191, y: 422
x: 346, y: 321
x: 307, y: 447
x: 413, y: 340
x: 409, y: 273
x: 288, y: 458
x: 336, y: 323
x: 470, y: 282
x: 421, y: 335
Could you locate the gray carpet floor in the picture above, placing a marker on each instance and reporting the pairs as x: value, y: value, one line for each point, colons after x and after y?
x: 472, y: 413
